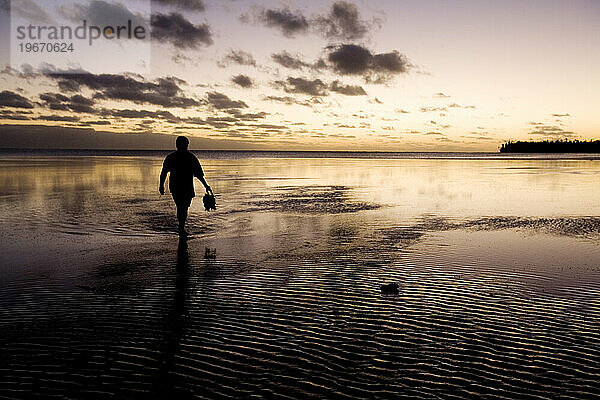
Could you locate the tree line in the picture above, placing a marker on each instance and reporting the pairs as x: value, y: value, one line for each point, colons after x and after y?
x: 551, y: 146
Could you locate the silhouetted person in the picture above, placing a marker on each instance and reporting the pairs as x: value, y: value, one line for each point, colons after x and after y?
x: 183, y: 166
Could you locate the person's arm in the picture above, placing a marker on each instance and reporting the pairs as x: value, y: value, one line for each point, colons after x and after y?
x: 208, y: 189
x: 163, y: 176
x: 198, y: 173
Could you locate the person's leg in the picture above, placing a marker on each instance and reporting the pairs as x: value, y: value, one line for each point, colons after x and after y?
x: 182, y: 211
x: 182, y: 203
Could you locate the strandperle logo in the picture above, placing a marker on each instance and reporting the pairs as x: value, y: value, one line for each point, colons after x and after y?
x: 99, y: 36
x: 81, y: 32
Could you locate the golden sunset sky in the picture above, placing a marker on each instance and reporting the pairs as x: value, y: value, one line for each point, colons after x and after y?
x: 376, y: 75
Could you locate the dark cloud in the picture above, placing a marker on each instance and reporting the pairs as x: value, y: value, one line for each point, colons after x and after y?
x: 60, y: 118
x: 289, y: 100
x: 242, y: 80
x: 343, y: 22
x: 237, y: 57
x: 288, y: 60
x: 348, y: 90
x: 314, y: 87
x: 289, y: 22
x: 101, y: 13
x: 12, y: 99
x: 98, y: 122
x: 392, y: 62
x: 174, y: 28
x: 76, y: 103
x: 15, y: 115
x: 128, y: 113
x: 55, y: 101
x: 221, y: 101
x: 81, y: 104
x: 267, y: 126
x: 351, y: 59
x: 27, y: 9
x: 240, y: 116
x: 162, y: 91
x: 191, y: 5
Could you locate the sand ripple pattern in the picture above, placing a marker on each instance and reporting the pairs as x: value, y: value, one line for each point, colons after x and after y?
x: 201, y: 325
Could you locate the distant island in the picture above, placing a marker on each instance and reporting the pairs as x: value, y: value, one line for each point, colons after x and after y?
x: 551, y: 146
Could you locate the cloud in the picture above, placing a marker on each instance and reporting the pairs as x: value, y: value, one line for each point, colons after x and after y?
x: 393, y: 62
x: 61, y: 118
x: 342, y: 22
x: 221, y: 101
x: 240, y: 116
x: 549, y: 130
x: 348, y: 90
x: 242, y: 80
x: 15, y: 115
x: 162, y: 91
x: 433, y: 109
x: 401, y: 111
x: 191, y: 5
x: 15, y: 100
x: 289, y: 22
x: 28, y: 10
x: 314, y: 87
x: 101, y: 13
x: 237, y: 57
x: 289, y: 100
x: 98, y: 122
x: 81, y: 104
x: 175, y: 29
x: 352, y: 59
x: 287, y: 60
x: 129, y: 113
x: 440, y: 95
x: 455, y: 105
x: 561, y: 115
x: 76, y: 103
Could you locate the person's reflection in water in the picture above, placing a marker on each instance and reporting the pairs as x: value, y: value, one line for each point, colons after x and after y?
x: 165, y: 383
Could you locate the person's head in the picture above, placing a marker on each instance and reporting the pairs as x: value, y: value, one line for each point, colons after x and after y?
x: 182, y: 142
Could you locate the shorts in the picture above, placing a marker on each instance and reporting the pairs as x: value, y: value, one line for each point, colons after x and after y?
x: 182, y: 200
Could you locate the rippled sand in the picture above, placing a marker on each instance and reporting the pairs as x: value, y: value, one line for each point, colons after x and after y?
x: 277, y: 293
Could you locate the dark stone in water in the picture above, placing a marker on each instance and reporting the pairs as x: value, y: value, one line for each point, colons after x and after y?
x: 390, y: 288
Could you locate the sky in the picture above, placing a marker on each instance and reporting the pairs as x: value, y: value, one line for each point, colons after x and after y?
x: 378, y: 75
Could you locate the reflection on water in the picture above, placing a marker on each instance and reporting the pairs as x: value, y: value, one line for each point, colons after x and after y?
x: 277, y: 292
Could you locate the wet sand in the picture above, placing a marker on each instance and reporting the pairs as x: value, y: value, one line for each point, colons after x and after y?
x: 276, y: 294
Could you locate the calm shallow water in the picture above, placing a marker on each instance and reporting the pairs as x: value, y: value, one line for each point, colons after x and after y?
x: 276, y: 294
